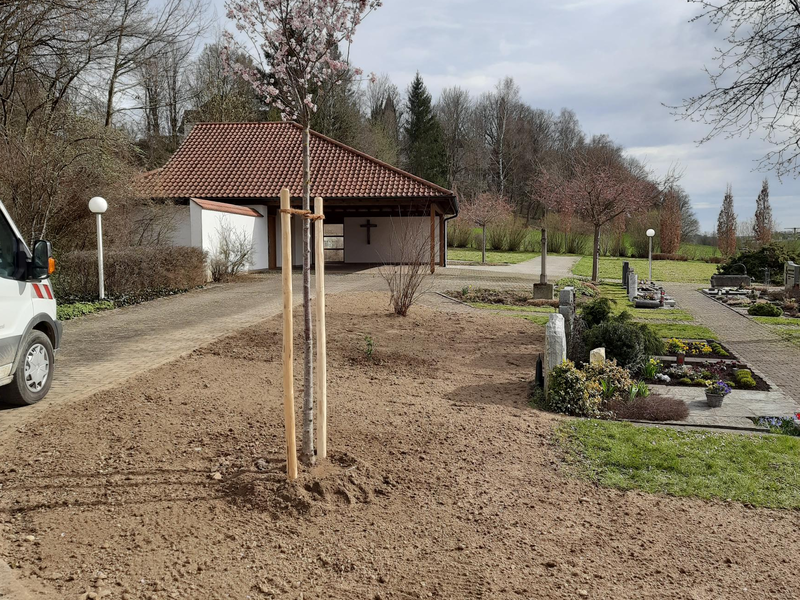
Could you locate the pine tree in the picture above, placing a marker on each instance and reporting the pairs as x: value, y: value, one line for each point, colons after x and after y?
x: 726, y: 225
x: 425, y: 154
x: 763, y: 226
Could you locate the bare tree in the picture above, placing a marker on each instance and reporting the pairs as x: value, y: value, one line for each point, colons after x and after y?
x: 483, y: 210
x: 408, y: 271
x: 233, y: 253
x: 453, y: 109
x: 754, y: 80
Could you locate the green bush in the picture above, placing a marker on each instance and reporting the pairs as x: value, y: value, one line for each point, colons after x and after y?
x: 775, y: 256
x: 568, y: 392
x: 582, y: 288
x: 685, y: 381
x: 623, y: 340
x: 608, y: 379
x: 597, y: 311
x: 65, y: 312
x: 764, y: 309
x: 744, y: 379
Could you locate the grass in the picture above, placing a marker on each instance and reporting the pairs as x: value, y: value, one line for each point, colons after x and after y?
x: 66, y: 312
x: 523, y: 309
x: 783, y: 322
x: 698, y: 251
x: 683, y: 331
x: 538, y: 319
x: 760, y: 470
x: 663, y: 270
x: 492, y: 256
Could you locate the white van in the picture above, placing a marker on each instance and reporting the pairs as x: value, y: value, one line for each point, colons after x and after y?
x: 29, y: 331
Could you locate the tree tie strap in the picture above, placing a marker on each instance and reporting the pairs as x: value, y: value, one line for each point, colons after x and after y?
x: 306, y: 214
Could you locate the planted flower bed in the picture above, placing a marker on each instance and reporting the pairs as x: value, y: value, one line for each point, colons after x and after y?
x: 698, y: 349
x: 782, y: 425
x: 704, y: 374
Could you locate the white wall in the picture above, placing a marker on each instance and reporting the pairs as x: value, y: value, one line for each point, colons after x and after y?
x: 169, y: 222
x: 297, y: 242
x: 386, y: 238
x: 253, y: 227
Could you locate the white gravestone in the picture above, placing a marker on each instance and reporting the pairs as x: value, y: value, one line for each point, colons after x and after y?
x: 597, y: 356
x: 555, y: 346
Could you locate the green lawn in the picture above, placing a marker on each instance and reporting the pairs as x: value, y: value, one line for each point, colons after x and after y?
x: 698, y: 251
x: 663, y: 270
x: 762, y: 470
x: 492, y: 256
x: 781, y: 321
x: 683, y: 331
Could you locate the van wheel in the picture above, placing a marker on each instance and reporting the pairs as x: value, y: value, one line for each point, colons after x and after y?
x: 34, y: 372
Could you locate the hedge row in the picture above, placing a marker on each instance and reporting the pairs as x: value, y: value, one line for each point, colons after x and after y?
x: 137, y: 272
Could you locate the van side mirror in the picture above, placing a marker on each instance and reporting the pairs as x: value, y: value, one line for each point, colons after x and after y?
x: 42, y: 265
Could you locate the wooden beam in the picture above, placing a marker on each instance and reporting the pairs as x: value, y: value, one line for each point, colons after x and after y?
x: 433, y: 239
x: 442, y: 249
x: 272, y: 236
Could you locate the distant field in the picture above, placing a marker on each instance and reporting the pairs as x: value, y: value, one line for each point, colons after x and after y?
x: 663, y: 270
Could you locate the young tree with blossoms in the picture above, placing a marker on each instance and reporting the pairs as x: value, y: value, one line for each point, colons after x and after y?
x: 485, y: 209
x: 296, y: 60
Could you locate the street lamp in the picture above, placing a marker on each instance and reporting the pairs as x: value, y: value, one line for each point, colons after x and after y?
x: 98, y: 206
x: 651, y: 234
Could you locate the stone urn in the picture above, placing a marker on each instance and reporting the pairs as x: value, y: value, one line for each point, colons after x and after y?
x: 714, y: 400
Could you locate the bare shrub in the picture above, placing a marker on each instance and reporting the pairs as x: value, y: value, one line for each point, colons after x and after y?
x: 406, y: 277
x: 651, y: 408
x: 516, y: 235
x: 234, y: 252
x: 496, y: 234
x: 459, y: 233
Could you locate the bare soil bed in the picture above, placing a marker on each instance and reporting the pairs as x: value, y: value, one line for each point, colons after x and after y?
x: 443, y: 483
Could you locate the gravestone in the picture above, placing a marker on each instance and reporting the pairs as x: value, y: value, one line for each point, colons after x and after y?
x: 738, y: 277
x: 597, y: 356
x: 566, y: 307
x: 792, y: 275
x: 626, y: 267
x: 543, y: 291
x: 633, y: 285
x: 555, y: 346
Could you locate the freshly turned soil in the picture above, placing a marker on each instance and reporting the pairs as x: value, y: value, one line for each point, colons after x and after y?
x: 442, y: 483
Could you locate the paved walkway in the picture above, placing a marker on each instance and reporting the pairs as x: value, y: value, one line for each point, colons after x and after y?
x: 557, y: 267
x: 774, y: 359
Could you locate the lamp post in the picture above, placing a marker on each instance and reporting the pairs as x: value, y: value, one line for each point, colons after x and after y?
x: 651, y: 234
x: 98, y: 206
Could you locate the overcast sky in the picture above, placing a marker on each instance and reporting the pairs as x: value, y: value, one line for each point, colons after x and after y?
x: 615, y: 62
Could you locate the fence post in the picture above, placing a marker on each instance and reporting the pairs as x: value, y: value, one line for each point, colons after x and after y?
x: 288, y: 336
x: 322, y: 367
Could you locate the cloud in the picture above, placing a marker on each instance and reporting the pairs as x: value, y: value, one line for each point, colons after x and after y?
x: 617, y: 63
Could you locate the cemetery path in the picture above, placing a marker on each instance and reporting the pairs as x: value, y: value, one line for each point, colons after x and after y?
x: 557, y: 267
x: 775, y: 359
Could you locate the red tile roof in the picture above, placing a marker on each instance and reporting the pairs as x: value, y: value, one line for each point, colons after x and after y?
x: 255, y: 160
x: 227, y: 208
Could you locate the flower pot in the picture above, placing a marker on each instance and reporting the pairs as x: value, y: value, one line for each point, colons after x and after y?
x: 681, y: 358
x: 714, y: 400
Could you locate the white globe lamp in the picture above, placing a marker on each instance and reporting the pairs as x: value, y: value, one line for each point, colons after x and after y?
x: 651, y: 233
x: 98, y: 206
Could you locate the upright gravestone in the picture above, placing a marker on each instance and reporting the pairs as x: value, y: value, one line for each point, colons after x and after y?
x: 555, y: 346
x: 626, y: 266
x: 633, y: 285
x: 597, y: 356
x: 792, y: 276
x: 566, y: 307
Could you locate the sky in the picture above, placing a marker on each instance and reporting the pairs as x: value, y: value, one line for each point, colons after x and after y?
x: 616, y: 63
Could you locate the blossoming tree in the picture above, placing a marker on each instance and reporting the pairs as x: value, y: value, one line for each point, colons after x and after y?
x: 483, y: 210
x: 296, y: 44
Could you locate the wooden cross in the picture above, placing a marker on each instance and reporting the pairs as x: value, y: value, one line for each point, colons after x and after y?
x: 369, y: 225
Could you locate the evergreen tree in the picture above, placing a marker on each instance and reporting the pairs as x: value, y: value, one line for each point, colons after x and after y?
x: 726, y: 225
x: 763, y: 226
x: 425, y: 154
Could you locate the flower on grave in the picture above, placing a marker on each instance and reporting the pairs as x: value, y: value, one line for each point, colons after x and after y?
x: 676, y: 346
x: 719, y: 387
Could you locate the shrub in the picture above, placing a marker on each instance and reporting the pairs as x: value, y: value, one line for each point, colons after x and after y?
x: 653, y: 344
x: 714, y: 260
x: 496, y: 233
x: 516, y: 234
x: 142, y: 271
x: 608, y: 379
x: 596, y: 311
x: 623, y: 341
x: 459, y: 233
x: 685, y: 381
x: 764, y: 309
x: 773, y: 256
x: 568, y: 392
x: 744, y: 379
x: 651, y: 408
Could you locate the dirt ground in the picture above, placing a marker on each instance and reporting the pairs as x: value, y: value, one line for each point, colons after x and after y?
x: 443, y: 484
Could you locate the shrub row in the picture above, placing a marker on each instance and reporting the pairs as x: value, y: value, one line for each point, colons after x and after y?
x: 131, y: 274
x: 662, y: 256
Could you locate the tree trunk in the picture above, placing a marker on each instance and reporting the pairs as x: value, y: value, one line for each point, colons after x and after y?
x: 483, y: 245
x: 307, y: 450
x: 596, y: 254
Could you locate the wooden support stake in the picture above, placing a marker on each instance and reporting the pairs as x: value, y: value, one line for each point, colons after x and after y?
x: 433, y: 239
x: 288, y: 337
x: 322, y: 359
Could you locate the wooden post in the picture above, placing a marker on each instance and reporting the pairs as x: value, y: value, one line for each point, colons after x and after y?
x: 433, y: 239
x: 543, y: 275
x: 322, y: 367
x: 442, y: 240
x: 288, y: 337
x: 272, y: 235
